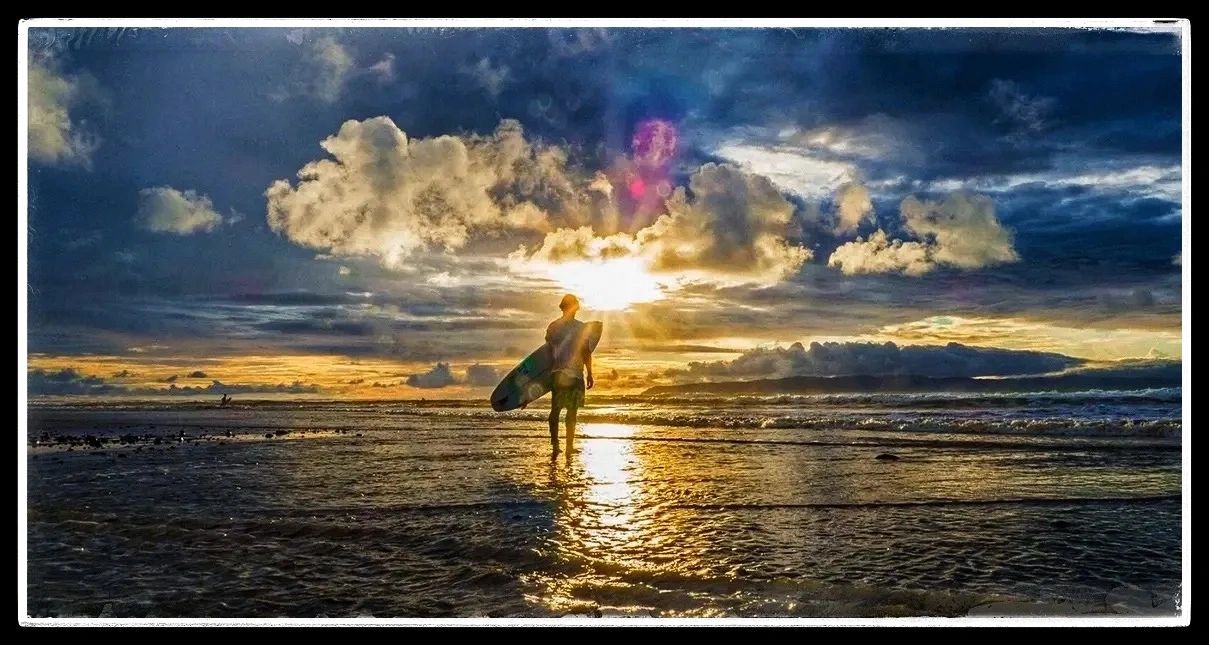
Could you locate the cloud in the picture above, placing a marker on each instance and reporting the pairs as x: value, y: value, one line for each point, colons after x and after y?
x: 66, y: 381
x: 482, y: 375
x: 962, y: 231
x: 488, y: 76
x: 880, y: 254
x: 571, y: 244
x: 197, y: 374
x: 70, y: 381
x: 57, y: 134
x: 437, y: 377
x: 387, y: 196
x: 873, y: 359
x: 1026, y: 114
x: 733, y: 223
x: 218, y: 387
x: 327, y: 67
x: 383, y: 71
x: 729, y: 226
x: 442, y: 375
x: 792, y: 168
x: 172, y: 379
x: 167, y: 210
x: 852, y: 206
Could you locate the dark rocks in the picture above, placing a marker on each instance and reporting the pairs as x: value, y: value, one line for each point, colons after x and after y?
x: 885, y: 456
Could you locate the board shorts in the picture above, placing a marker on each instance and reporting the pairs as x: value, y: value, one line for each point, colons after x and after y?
x: 567, y: 391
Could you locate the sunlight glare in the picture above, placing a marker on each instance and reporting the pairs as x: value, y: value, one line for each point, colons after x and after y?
x: 608, y: 285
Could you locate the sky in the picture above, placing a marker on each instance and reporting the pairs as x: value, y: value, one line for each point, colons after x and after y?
x: 396, y: 212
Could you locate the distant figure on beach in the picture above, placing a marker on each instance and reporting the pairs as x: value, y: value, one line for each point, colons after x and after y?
x: 572, y: 355
x: 225, y: 400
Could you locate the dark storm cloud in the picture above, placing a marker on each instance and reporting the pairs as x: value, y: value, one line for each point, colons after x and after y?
x: 67, y: 381
x: 870, y: 359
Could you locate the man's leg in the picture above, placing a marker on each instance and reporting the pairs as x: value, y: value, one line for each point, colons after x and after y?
x: 571, y: 413
x: 554, y: 410
x: 575, y: 398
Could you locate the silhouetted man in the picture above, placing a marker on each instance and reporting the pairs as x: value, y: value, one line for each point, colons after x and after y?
x: 568, y: 341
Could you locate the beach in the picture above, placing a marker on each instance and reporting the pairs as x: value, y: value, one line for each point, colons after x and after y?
x: 864, y: 505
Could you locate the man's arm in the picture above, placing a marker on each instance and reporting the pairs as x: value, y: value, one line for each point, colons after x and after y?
x: 588, y: 366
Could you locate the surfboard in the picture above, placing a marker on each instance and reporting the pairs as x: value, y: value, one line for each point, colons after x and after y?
x: 531, y: 379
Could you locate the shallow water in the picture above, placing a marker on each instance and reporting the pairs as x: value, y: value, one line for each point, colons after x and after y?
x: 770, y: 507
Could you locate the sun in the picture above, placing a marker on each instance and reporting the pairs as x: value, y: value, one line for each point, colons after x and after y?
x: 608, y: 285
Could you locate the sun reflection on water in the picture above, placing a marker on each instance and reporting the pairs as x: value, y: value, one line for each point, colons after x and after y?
x: 611, y: 471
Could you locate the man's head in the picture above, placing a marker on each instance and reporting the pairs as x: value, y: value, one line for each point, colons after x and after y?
x: 569, y: 305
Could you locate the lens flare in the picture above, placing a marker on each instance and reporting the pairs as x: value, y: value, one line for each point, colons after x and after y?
x: 655, y: 142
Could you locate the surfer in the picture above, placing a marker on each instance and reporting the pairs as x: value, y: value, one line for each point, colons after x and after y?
x: 569, y: 342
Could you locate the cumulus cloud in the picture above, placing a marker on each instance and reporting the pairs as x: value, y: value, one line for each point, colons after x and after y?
x: 441, y: 375
x: 852, y: 206
x: 963, y: 228
x: 172, y: 379
x: 482, y: 375
x: 57, y: 134
x: 729, y: 225
x: 385, y: 195
x: 733, y: 222
x: 962, y: 231
x: 197, y: 374
x: 167, y: 210
x: 880, y: 254
x: 873, y: 359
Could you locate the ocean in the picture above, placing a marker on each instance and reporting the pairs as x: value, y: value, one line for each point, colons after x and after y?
x: 833, y: 505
